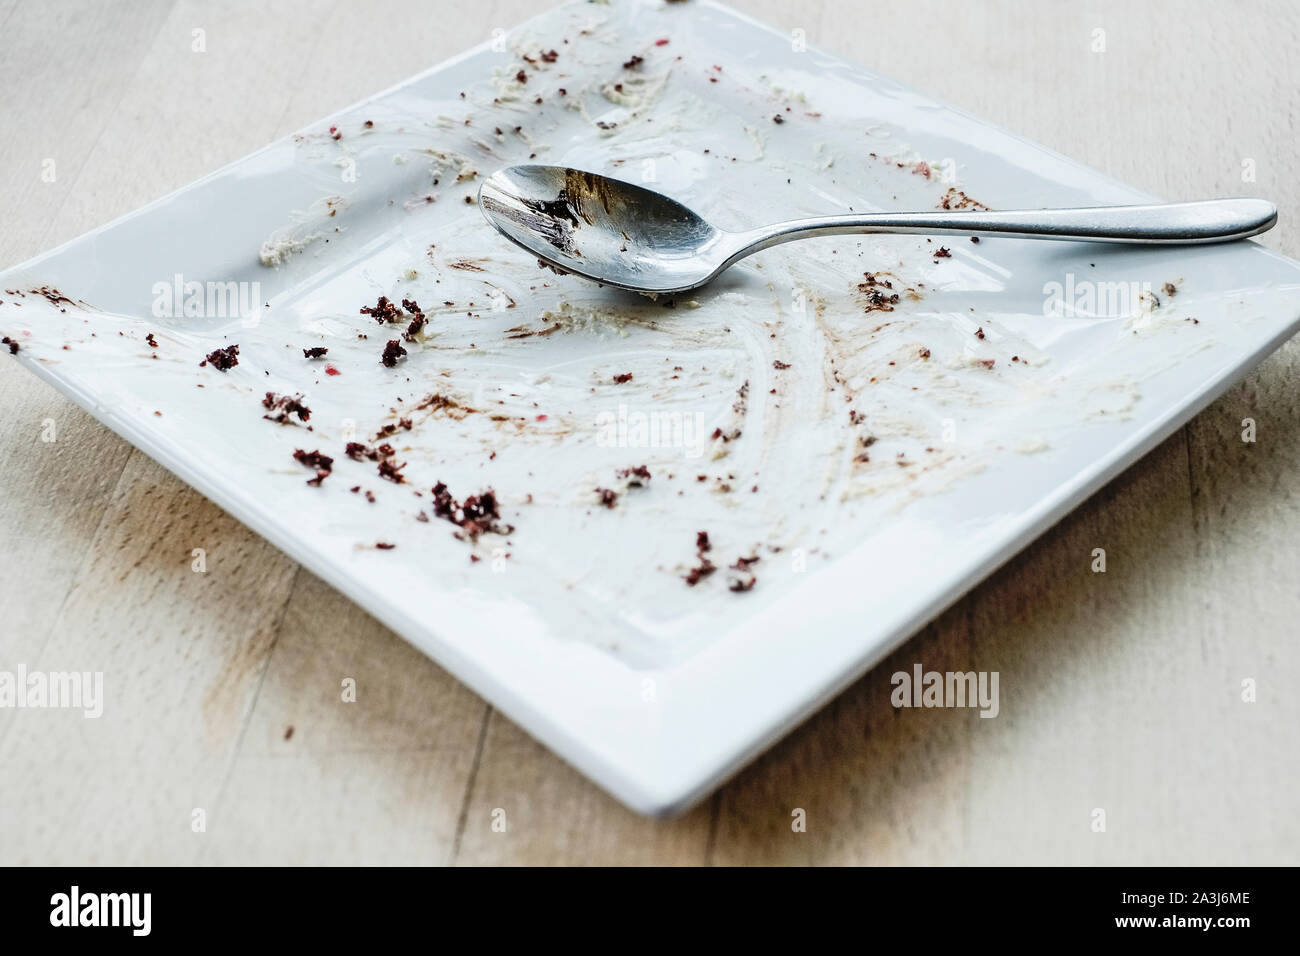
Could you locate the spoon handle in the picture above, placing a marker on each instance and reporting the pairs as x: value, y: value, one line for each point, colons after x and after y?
x: 1180, y: 223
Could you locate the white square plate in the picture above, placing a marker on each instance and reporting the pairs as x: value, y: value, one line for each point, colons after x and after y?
x: 880, y: 457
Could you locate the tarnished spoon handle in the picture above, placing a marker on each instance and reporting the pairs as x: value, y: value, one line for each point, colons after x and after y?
x: 1180, y: 223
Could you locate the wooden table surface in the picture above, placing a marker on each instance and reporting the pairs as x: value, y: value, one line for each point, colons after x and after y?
x: 1120, y: 691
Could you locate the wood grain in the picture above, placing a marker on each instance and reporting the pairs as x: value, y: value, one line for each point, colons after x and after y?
x: 1120, y: 691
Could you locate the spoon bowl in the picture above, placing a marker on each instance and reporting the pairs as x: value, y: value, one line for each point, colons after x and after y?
x: 634, y: 238
x: 613, y: 232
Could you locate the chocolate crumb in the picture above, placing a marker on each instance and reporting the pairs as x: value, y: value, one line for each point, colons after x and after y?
x: 417, y: 319
x: 391, y: 471
x: 282, y: 407
x: 699, y: 572
x: 12, y: 343
x: 323, y: 464
x: 383, y: 311
x: 778, y: 365
x: 384, y: 546
x: 622, y: 378
x: 873, y: 288
x: 357, y: 451
x: 636, y: 476
x: 152, y: 342
x: 412, y: 330
x: 315, y: 352
x: 392, y: 352
x: 705, y: 567
x: 478, y: 514
x: 223, y: 359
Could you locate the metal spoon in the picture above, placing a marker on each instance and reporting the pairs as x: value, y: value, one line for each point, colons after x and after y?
x: 634, y: 238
